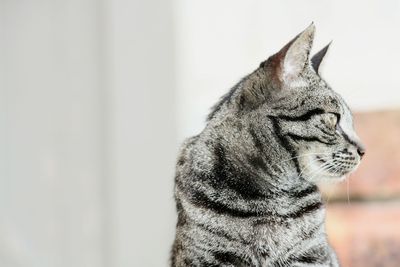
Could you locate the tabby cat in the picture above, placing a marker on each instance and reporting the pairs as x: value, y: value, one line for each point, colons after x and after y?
x: 245, y: 187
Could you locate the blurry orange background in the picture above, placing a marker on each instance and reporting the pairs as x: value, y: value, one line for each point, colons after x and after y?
x: 363, y: 218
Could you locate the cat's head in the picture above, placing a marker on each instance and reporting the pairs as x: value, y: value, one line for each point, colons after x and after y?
x: 313, y: 122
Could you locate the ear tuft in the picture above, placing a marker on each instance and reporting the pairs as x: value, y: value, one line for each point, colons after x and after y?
x: 318, y: 57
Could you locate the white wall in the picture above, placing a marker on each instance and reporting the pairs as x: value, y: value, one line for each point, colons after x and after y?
x: 88, y: 133
x: 218, y: 42
x: 142, y: 131
x: 52, y: 145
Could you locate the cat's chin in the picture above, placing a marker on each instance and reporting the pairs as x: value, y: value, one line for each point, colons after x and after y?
x: 328, y: 179
x: 314, y: 174
x: 340, y: 178
x: 335, y: 179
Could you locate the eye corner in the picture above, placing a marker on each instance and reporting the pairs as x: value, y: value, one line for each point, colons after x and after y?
x: 337, y: 126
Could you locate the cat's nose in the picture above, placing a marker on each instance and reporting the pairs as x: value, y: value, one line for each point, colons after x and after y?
x: 360, y: 150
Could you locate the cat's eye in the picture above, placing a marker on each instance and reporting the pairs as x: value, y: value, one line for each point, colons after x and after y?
x: 331, y: 119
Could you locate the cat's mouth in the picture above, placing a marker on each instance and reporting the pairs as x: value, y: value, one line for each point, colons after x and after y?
x: 327, y: 166
x: 336, y: 167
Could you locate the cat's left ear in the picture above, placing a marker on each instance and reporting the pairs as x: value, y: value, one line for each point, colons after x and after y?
x: 318, y: 57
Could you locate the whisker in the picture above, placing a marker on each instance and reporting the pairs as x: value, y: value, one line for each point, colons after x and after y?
x: 348, y: 197
x: 347, y: 184
x: 299, y: 156
x: 329, y: 195
x: 326, y: 166
x: 317, y: 170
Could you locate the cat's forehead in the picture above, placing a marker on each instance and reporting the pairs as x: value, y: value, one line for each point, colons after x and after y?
x: 319, y: 93
x: 321, y: 97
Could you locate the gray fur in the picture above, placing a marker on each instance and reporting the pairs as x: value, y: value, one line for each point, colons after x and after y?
x: 245, y: 186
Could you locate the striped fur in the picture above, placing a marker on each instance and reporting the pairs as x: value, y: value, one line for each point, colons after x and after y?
x: 245, y: 187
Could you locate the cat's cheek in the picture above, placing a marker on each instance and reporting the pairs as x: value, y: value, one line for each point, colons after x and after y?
x: 310, y: 168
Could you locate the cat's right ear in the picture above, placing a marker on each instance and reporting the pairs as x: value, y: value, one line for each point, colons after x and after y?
x: 318, y: 58
x: 287, y: 65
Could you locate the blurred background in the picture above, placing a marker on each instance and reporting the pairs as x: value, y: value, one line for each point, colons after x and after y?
x: 97, y: 95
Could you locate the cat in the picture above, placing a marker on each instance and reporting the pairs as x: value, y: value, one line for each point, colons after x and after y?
x: 245, y: 187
